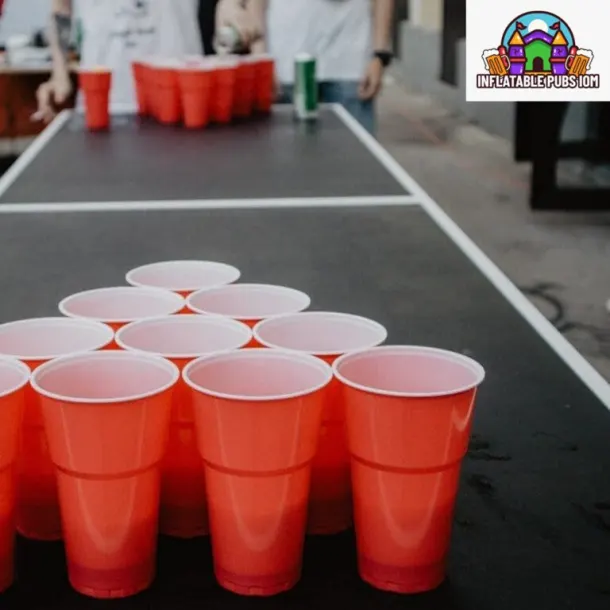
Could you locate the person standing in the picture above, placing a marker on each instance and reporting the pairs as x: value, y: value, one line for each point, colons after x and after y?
x: 115, y: 32
x: 350, y: 39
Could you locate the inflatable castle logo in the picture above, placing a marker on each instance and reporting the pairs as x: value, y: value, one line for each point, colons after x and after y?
x: 538, y: 50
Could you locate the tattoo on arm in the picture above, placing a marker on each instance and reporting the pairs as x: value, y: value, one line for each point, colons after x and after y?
x: 63, y: 27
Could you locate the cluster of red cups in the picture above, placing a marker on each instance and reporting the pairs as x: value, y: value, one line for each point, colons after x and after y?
x: 189, y: 404
x: 195, y: 91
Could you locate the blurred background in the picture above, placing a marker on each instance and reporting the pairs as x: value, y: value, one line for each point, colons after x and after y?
x: 529, y: 182
x: 22, y: 40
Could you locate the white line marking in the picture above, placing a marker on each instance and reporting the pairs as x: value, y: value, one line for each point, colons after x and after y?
x: 32, y: 151
x: 207, y: 204
x: 562, y: 347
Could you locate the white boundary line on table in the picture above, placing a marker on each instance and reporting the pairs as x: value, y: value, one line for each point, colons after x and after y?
x: 560, y: 345
x: 208, y: 204
x: 32, y: 151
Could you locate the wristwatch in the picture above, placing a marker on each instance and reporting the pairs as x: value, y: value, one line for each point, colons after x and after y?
x: 385, y: 57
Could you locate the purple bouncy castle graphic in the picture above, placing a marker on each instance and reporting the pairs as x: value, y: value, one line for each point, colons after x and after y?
x: 538, y: 43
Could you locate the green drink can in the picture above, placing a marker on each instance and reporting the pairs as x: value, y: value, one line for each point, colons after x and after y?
x: 305, y: 87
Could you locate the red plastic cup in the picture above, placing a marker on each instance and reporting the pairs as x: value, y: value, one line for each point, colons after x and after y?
x: 181, y: 339
x: 224, y: 79
x: 245, y: 88
x: 14, y: 377
x: 148, y: 81
x: 35, y: 342
x: 165, y: 90
x: 107, y: 416
x: 326, y: 335
x: 409, y: 415
x: 249, y: 303
x: 195, y: 83
x: 257, y: 414
x: 264, y: 91
x: 183, y: 276
x: 120, y: 305
x: 95, y: 84
x: 139, y: 77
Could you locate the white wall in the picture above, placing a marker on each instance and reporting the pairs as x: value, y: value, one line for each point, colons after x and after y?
x: 24, y: 17
x: 427, y: 14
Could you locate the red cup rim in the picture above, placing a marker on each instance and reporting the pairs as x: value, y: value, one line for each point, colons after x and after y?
x: 193, y: 67
x: 260, y: 56
x: 194, y: 57
x: 304, y: 299
x: 345, y: 317
x: 19, y: 366
x: 257, y: 57
x: 260, y: 354
x: 106, y: 355
x: 164, y: 63
x: 64, y: 305
x: 227, y: 62
x: 105, y: 332
x: 185, y: 319
x: 233, y: 273
x: 94, y: 70
x: 440, y: 354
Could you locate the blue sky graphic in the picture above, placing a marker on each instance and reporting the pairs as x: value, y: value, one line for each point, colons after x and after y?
x: 537, y: 19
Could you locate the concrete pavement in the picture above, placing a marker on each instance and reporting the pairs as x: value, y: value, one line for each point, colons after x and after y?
x: 560, y: 260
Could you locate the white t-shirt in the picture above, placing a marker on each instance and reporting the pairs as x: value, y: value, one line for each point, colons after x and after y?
x: 115, y: 32
x: 338, y: 33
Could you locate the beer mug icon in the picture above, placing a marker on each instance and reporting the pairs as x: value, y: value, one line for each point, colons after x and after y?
x: 579, y: 61
x: 496, y: 61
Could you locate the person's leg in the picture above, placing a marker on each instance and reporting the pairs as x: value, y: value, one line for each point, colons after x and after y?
x: 346, y: 94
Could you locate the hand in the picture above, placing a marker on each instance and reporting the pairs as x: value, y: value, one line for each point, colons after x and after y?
x: 54, y: 92
x: 258, y: 46
x: 372, y: 81
x: 233, y: 13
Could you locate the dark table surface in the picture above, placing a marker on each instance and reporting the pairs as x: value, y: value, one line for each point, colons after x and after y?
x: 533, y: 517
x: 273, y: 157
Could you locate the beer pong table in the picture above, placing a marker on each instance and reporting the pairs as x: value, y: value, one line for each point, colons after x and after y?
x: 324, y: 208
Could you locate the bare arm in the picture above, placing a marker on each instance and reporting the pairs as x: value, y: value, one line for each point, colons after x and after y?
x: 258, y: 14
x: 59, y: 35
x: 258, y: 8
x: 58, y: 88
x: 383, y: 13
